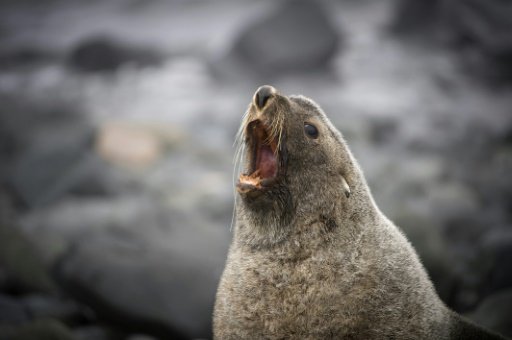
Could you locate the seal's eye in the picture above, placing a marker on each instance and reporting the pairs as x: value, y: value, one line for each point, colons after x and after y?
x: 311, y: 130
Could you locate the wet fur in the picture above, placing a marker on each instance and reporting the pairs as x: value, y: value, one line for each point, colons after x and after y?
x: 308, y: 262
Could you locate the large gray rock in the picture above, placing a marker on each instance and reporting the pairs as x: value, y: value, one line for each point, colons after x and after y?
x: 296, y: 37
x: 480, y: 29
x: 137, y: 263
x: 60, y: 162
x: 494, y: 312
x: 416, y: 16
x: 23, y: 269
x: 101, y: 54
x: 497, y: 249
x: 12, y: 311
x: 46, y: 148
x: 487, y: 26
x: 50, y: 307
x: 23, y: 57
x: 40, y: 329
x: 93, y: 332
x: 161, y: 292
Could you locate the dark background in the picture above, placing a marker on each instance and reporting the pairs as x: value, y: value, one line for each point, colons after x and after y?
x: 117, y: 120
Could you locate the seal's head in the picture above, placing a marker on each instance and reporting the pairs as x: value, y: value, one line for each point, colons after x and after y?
x: 296, y: 164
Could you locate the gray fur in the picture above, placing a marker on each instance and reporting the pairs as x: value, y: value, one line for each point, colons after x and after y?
x: 309, y: 261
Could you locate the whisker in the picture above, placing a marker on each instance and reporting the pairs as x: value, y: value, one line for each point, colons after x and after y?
x: 276, y: 128
x: 240, y: 131
x: 239, y: 146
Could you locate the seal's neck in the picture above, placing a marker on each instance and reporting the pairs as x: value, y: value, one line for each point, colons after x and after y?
x: 313, y: 214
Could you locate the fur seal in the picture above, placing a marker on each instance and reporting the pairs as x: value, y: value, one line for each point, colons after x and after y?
x: 312, y: 256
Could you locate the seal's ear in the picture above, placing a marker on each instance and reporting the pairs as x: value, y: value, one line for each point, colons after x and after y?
x: 346, y: 188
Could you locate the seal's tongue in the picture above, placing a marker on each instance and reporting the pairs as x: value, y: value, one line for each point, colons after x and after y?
x: 267, y: 163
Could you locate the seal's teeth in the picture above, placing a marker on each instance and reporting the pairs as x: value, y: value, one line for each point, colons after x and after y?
x: 248, y: 183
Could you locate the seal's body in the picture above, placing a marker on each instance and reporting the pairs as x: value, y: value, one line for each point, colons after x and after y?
x: 312, y: 256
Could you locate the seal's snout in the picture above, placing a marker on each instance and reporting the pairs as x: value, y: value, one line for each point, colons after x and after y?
x: 264, y: 140
x: 262, y: 95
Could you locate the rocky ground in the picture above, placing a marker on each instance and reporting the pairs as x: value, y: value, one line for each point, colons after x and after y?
x: 116, y: 129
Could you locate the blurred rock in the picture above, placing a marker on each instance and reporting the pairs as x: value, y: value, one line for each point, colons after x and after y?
x: 3, y: 279
x: 47, y: 148
x: 481, y: 30
x: 41, y: 329
x: 167, y: 294
x: 497, y: 247
x: 452, y: 199
x: 24, y: 57
x: 296, y: 37
x: 56, y: 139
x: 100, y: 54
x: 60, y: 167
x: 101, y: 179
x: 492, y: 159
x: 135, y: 262
x: 416, y: 16
x: 94, y: 333
x: 24, y: 270
x: 12, y: 311
x: 45, y: 307
x: 494, y: 312
x: 485, y: 26
x: 140, y: 337
x: 383, y: 129
x: 129, y: 145
x: 54, y: 230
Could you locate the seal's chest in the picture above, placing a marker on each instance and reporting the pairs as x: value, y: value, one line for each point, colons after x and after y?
x: 290, y: 296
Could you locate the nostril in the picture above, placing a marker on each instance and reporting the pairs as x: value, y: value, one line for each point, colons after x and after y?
x: 262, y: 95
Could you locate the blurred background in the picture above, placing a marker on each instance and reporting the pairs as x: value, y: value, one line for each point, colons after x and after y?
x: 117, y: 120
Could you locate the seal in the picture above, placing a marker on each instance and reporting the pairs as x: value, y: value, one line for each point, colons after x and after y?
x: 312, y: 256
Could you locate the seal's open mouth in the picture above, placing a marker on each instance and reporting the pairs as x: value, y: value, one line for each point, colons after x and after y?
x: 263, y: 159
